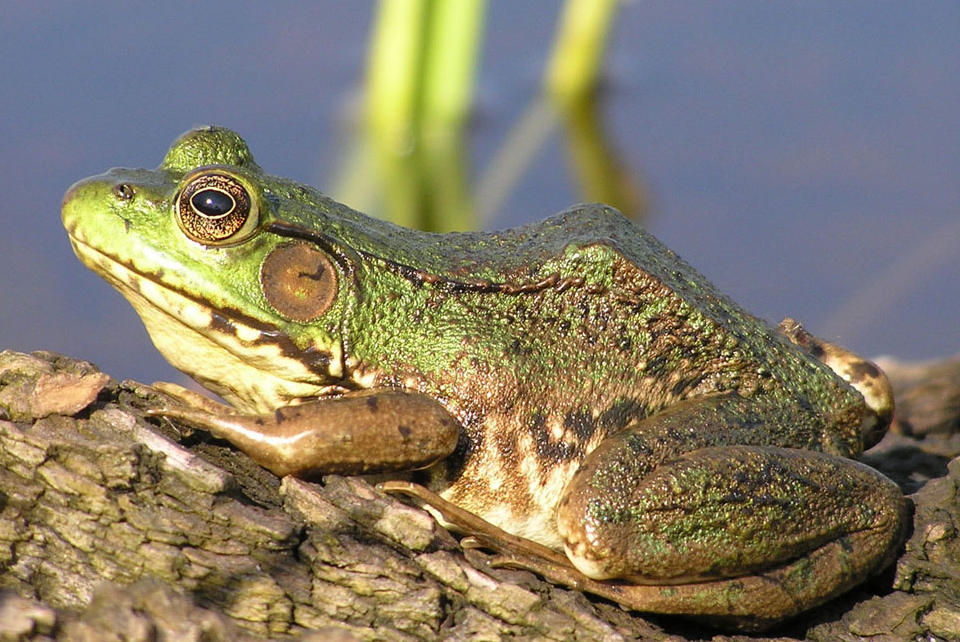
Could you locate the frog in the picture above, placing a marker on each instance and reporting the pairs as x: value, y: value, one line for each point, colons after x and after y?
x: 570, y: 393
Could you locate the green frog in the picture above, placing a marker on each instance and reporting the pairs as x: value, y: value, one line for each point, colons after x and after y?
x: 570, y: 392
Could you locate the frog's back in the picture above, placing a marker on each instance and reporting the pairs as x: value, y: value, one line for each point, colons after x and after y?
x: 589, y: 282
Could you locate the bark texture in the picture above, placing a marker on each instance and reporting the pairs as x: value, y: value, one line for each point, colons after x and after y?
x: 118, y: 527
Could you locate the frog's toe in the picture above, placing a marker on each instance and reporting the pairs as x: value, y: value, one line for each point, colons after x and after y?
x: 190, y: 399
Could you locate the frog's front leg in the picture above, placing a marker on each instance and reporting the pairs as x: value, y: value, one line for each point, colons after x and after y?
x: 722, y: 528
x: 359, y: 432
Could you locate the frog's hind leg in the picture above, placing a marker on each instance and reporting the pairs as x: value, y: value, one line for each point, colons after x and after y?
x: 750, y: 603
x: 719, y: 529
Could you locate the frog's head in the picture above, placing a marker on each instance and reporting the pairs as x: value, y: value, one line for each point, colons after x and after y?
x: 242, y: 301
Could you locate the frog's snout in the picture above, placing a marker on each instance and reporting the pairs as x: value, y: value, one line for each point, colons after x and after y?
x: 860, y: 373
x: 77, y: 200
x: 70, y: 194
x: 69, y: 203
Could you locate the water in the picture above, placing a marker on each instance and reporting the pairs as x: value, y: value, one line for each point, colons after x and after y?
x: 804, y: 156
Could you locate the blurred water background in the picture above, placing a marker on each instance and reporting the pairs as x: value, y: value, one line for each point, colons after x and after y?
x: 805, y: 156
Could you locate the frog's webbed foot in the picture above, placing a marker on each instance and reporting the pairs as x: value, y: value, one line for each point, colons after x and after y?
x: 554, y: 567
x: 749, y: 603
x: 524, y: 554
x: 511, y: 551
x: 480, y: 533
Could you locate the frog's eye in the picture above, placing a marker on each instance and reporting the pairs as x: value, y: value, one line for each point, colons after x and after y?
x: 216, y: 209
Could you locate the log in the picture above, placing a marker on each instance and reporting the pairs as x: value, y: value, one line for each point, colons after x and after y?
x: 116, y: 526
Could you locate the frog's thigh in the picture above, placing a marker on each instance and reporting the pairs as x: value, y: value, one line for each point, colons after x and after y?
x: 727, y: 529
x: 363, y: 432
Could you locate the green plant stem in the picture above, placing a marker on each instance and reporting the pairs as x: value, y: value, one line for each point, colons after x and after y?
x: 578, y: 51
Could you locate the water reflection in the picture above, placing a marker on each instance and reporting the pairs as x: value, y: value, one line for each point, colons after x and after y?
x: 408, y: 160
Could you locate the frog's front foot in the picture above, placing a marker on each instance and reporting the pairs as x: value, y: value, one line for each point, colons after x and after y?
x: 181, y: 397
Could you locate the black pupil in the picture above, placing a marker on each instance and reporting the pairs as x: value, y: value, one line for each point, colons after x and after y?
x: 211, y: 202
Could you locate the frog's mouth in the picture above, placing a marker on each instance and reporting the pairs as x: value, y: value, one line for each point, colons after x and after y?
x: 251, y: 365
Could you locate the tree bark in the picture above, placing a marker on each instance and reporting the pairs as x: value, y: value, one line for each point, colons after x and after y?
x: 114, y: 526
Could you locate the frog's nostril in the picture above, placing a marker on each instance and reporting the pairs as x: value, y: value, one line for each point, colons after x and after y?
x: 123, y: 191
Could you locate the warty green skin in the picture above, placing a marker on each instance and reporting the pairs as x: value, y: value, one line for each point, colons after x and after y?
x: 542, y: 342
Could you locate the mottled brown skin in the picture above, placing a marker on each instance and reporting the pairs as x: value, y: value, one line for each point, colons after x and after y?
x: 589, y: 390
